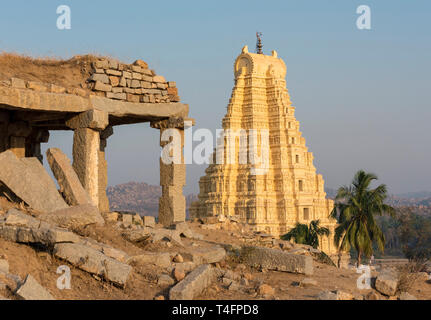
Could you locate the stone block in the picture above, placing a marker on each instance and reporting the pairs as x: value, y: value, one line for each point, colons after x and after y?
x: 145, y: 85
x: 159, y: 79
x: 205, y: 255
x: 160, y: 259
x: 56, y: 89
x: 122, y: 82
x: 117, y: 90
x: 94, y: 262
x: 135, y: 84
x: 172, y: 205
x: 36, y: 86
x: 22, y: 228
x: 387, y: 282
x: 29, y: 181
x: 172, y: 84
x: 32, y: 290
x: 113, y: 72
x: 274, y: 259
x: 67, y: 179
x: 114, y: 81
x: 172, y: 91
x: 141, y: 63
x: 116, y: 96
x: 172, y: 174
x: 136, y: 68
x: 102, y: 64
x: 106, y: 249
x: 100, y: 86
x: 133, y: 98
x: 113, y: 64
x: 74, y: 217
x: 149, y: 221
x: 101, y: 77
x: 93, y: 119
x: 18, y: 83
x: 193, y: 284
x: 127, y: 75
x: 136, y: 75
x: 147, y: 78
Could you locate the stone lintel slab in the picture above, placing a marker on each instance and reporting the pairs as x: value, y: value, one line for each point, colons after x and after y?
x: 25, y: 99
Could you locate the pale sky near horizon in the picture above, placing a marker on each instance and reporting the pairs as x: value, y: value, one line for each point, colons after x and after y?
x: 362, y: 96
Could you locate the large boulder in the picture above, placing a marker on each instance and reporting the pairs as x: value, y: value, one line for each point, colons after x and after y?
x: 30, y: 182
x: 74, y: 217
x: 194, y: 283
x: 274, y: 259
x: 67, y: 179
x: 387, y: 282
x: 93, y: 261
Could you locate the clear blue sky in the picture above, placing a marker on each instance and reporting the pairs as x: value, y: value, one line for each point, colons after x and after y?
x: 363, y: 97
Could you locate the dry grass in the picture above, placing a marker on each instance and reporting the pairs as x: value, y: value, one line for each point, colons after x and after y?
x: 71, y: 73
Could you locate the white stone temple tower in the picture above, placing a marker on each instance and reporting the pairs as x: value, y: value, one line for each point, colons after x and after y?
x: 288, y: 192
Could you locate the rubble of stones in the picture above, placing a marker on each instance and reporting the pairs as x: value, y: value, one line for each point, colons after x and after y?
x: 114, y: 80
x: 52, y: 219
x: 132, y: 83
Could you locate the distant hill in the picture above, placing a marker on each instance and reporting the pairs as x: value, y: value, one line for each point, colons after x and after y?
x: 143, y: 198
x: 138, y: 197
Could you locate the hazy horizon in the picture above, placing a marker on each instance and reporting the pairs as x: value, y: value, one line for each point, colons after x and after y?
x: 362, y: 97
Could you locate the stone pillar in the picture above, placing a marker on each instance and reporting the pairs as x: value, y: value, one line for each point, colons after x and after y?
x: 172, y: 203
x: 33, y: 141
x: 103, y: 169
x: 17, y: 133
x: 86, y: 147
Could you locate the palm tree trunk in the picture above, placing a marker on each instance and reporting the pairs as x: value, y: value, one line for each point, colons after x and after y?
x: 359, y: 258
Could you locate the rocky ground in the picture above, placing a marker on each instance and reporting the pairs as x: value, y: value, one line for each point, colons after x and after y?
x: 129, y: 257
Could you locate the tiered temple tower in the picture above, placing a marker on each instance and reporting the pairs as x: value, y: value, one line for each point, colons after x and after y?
x: 289, y: 191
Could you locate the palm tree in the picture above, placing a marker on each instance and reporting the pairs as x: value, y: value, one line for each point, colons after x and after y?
x: 307, y: 234
x: 355, y: 208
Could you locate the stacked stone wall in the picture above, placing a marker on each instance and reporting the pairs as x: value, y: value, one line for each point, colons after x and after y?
x: 132, y: 83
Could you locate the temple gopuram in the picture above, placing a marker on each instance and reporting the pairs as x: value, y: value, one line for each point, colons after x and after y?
x: 289, y: 191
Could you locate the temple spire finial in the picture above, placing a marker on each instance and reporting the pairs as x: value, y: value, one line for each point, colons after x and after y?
x: 259, y: 45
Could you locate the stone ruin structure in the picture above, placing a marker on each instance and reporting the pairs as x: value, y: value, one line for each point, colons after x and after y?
x: 114, y: 94
x: 290, y: 191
